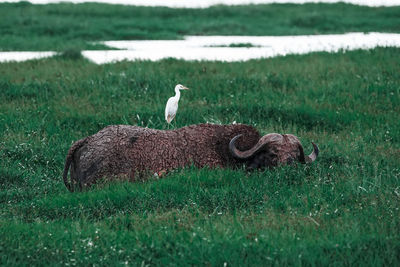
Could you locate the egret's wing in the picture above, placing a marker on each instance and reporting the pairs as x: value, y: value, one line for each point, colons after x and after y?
x: 167, y: 108
x: 170, y: 109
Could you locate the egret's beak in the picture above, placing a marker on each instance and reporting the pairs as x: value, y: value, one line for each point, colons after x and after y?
x: 185, y: 88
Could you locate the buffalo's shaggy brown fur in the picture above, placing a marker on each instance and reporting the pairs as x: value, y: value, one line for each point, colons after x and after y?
x: 128, y: 151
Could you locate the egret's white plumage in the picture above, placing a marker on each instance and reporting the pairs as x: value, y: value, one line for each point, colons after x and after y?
x: 172, y: 104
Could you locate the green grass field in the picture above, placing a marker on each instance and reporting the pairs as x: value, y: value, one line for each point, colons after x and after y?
x: 60, y: 27
x: 341, y: 210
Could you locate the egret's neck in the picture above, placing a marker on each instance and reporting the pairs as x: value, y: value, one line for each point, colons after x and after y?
x: 177, y: 93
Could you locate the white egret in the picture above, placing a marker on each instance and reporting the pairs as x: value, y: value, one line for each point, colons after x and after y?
x: 172, y: 104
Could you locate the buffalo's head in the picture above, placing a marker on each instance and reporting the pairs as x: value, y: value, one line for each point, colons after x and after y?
x: 272, y: 150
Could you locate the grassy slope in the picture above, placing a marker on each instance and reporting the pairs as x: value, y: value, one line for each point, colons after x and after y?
x: 67, y: 26
x: 342, y: 209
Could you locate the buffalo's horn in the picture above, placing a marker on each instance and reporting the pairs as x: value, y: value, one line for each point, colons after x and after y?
x: 310, y: 158
x: 248, y: 153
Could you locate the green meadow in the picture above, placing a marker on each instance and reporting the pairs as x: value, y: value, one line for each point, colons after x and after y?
x: 341, y: 210
x: 60, y: 27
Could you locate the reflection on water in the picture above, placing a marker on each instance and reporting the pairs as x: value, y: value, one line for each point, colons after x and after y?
x: 225, y: 48
x: 217, y: 47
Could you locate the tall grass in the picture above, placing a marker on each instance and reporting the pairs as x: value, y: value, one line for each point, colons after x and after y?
x: 343, y: 209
